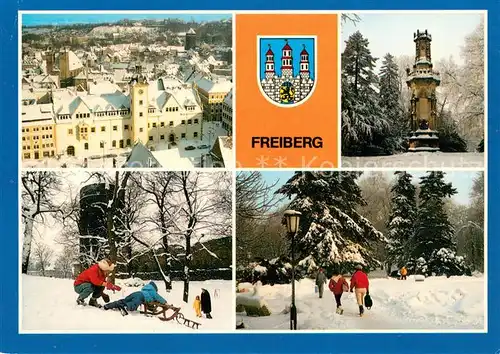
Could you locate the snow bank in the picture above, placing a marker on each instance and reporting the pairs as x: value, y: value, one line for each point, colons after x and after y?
x: 48, y: 305
x: 438, y: 303
x: 131, y: 282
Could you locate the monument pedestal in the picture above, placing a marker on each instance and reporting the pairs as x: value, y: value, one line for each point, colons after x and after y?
x: 424, y: 140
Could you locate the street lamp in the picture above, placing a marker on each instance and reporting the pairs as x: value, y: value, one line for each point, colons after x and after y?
x: 292, y: 218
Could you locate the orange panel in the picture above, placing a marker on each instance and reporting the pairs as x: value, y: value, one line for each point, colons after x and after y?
x: 275, y: 126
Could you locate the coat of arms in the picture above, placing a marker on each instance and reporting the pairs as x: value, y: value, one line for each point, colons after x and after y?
x: 286, y: 68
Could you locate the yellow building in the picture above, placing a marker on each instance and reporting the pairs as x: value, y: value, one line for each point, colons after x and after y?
x: 38, y: 138
x: 156, y: 113
x: 212, y: 94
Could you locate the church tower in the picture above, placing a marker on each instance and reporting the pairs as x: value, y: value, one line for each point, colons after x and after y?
x: 139, y: 102
x: 270, y: 72
x: 286, y: 61
x: 304, y: 64
x: 423, y: 81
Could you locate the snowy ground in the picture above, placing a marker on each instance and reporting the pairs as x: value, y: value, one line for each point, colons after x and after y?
x: 417, y: 160
x: 49, y: 305
x: 436, y: 303
x: 176, y: 157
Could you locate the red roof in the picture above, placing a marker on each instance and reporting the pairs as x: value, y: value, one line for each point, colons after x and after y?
x: 269, y: 52
x: 287, y: 47
x: 304, y: 52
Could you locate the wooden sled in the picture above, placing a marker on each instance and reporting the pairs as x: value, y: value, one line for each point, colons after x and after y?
x: 155, y: 308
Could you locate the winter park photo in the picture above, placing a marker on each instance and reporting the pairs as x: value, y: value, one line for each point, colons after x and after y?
x: 405, y: 108
x: 372, y: 251
x: 110, y: 251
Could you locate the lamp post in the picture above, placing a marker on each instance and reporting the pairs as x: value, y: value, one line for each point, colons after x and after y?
x: 292, y: 218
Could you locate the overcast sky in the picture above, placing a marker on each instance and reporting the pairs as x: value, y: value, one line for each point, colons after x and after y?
x: 393, y: 33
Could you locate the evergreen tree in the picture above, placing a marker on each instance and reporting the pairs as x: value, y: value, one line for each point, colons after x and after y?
x: 402, y: 219
x: 332, y: 233
x: 361, y: 116
x: 433, y: 244
x: 390, y: 104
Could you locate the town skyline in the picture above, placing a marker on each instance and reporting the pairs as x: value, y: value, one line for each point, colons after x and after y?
x: 33, y: 20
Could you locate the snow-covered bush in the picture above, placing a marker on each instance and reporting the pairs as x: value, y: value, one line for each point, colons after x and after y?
x: 133, y: 282
x: 274, y: 271
x: 446, y: 262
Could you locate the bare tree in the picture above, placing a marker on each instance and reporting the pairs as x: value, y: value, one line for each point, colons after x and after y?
x: 254, y: 197
x: 256, y: 203
x: 158, y: 186
x: 376, y: 190
x: 113, y: 209
x: 65, y: 260
x: 43, y: 256
x: 39, y: 190
x: 200, y: 211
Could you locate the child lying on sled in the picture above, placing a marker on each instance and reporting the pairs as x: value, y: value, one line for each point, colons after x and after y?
x: 148, y: 294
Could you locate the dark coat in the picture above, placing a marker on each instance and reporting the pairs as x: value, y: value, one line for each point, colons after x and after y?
x: 206, y: 302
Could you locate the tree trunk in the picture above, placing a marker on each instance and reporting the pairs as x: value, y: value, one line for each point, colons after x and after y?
x: 28, y: 237
x: 165, y: 277
x: 111, y: 241
x: 187, y: 264
x: 168, y: 257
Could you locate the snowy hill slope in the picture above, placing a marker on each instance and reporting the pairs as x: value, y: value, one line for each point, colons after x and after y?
x: 49, y: 305
x: 437, y: 303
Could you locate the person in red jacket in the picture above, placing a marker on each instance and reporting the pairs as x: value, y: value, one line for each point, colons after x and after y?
x: 93, y: 281
x: 337, y: 286
x: 360, y: 283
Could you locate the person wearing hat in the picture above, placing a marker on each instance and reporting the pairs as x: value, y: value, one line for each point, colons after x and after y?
x: 93, y: 281
x: 360, y: 284
x: 148, y: 294
x: 320, y: 281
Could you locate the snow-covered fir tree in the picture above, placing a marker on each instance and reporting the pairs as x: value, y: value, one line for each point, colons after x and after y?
x: 361, y: 115
x: 402, y: 219
x: 390, y: 103
x: 332, y: 232
x: 433, y: 244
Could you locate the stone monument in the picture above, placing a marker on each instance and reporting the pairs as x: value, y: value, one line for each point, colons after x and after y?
x: 422, y: 81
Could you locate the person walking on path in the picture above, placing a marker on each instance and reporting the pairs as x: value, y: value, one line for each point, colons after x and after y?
x: 403, y: 273
x: 337, y: 286
x: 360, y: 285
x: 321, y: 281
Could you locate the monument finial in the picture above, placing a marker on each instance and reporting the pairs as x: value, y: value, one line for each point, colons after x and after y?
x: 304, y: 46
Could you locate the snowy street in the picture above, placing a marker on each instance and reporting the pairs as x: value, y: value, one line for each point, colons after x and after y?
x: 48, y: 305
x: 436, y: 303
x: 417, y: 160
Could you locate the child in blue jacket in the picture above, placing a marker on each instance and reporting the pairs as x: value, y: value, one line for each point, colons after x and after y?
x: 148, y: 293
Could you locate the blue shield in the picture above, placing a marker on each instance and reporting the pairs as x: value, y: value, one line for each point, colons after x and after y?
x: 286, y: 68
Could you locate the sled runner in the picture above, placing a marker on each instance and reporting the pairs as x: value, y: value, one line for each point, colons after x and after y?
x: 155, y: 308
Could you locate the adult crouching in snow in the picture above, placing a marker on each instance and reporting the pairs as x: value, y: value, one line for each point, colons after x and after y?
x: 321, y: 281
x: 337, y: 286
x: 148, y: 294
x: 93, y: 281
x: 360, y: 284
x: 206, y: 303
